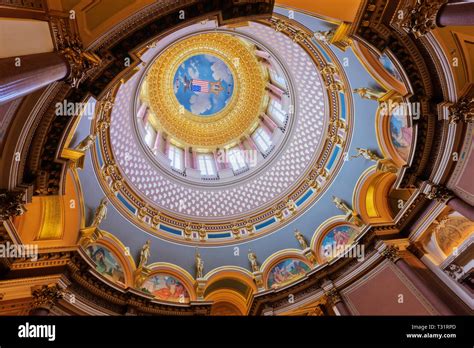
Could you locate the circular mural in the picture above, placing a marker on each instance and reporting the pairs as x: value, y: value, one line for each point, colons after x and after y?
x: 203, y: 85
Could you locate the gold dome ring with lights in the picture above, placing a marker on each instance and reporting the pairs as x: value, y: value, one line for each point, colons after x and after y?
x: 224, y: 127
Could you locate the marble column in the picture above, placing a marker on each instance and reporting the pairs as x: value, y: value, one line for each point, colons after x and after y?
x: 141, y: 111
x: 269, y: 122
x: 334, y: 298
x: 263, y: 54
x: 23, y: 75
x: 463, y: 208
x: 39, y: 312
x: 392, y: 253
x: 456, y: 14
x: 277, y: 92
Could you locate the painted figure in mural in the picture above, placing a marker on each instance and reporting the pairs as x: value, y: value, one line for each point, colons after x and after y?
x: 100, y: 213
x: 199, y: 266
x: 105, y: 264
x: 341, y: 238
x: 167, y: 288
x: 341, y: 205
x: 367, y: 154
x: 144, y: 255
x: 401, y: 134
x: 87, y: 143
x: 286, y: 272
x: 369, y: 93
x: 253, y: 262
x: 301, y: 240
x: 98, y: 257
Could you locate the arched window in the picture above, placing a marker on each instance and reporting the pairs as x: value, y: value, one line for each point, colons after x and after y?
x: 150, y: 135
x: 262, y: 139
x: 237, y: 159
x: 176, y: 156
x: 277, y: 79
x: 206, y: 163
x: 275, y: 110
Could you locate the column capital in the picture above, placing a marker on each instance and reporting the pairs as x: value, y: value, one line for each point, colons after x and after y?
x: 11, y: 204
x: 391, y: 252
x: 333, y: 296
x: 420, y: 17
x: 80, y: 62
x: 46, y: 296
x: 462, y: 111
x: 439, y: 193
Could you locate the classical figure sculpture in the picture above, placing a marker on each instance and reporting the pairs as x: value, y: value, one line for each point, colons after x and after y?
x: 199, y: 266
x: 324, y: 36
x: 291, y: 205
x: 369, y: 93
x: 87, y: 143
x: 300, y: 238
x: 367, y: 154
x: 253, y: 262
x: 144, y: 255
x: 341, y: 205
x: 100, y: 213
x: 188, y: 231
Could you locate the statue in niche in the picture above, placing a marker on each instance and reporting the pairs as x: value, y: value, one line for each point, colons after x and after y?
x: 367, y: 154
x: 300, y: 238
x: 144, y: 255
x: 341, y: 205
x: 369, y: 93
x: 100, y: 213
x: 87, y: 143
x: 199, y: 266
x: 253, y: 262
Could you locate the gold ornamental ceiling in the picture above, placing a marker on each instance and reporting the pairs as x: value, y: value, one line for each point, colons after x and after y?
x: 233, y: 121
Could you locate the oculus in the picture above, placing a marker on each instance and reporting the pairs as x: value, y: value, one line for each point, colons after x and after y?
x: 203, y: 85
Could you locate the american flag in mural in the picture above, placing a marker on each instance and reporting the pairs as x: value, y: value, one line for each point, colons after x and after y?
x: 200, y: 86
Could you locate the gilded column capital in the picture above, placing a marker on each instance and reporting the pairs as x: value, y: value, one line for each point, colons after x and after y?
x: 462, y: 111
x: 80, y: 62
x: 420, y: 18
x: 46, y: 296
x: 333, y: 296
x: 11, y: 204
x: 439, y: 193
x: 391, y: 252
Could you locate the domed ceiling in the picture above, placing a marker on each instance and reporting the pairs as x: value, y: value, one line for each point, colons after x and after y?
x: 270, y: 91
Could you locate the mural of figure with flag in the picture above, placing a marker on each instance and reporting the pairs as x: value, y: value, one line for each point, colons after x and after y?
x: 203, y: 85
